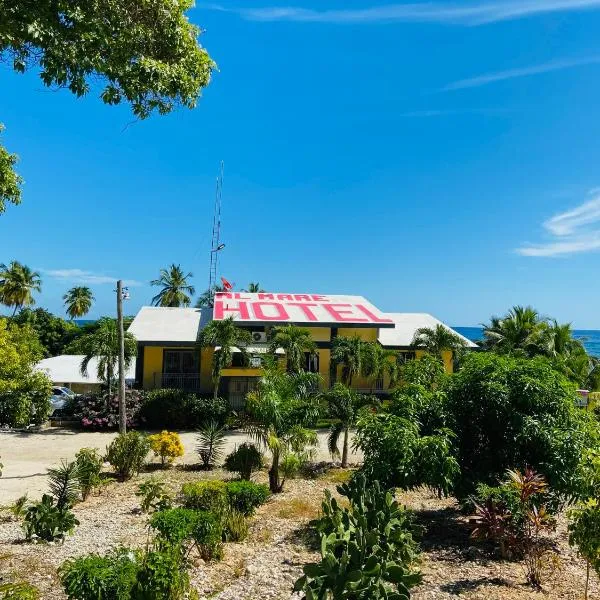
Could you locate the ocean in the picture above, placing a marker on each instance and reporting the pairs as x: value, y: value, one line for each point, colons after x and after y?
x: 589, y: 337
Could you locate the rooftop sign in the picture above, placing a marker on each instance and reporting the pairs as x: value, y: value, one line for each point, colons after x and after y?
x: 305, y: 309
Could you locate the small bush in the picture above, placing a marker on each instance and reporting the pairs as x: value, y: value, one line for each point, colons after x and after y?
x: 205, y: 495
x: 211, y: 441
x: 166, y: 445
x: 89, y: 466
x: 244, y: 460
x: 18, y: 591
x: 184, y: 526
x: 44, y: 520
x: 99, y: 411
x: 127, y: 453
x: 18, y: 508
x: 246, y: 496
x: 235, y: 526
x: 291, y: 464
x: 162, y: 575
x: 94, y: 577
x: 176, y: 409
x: 153, y: 495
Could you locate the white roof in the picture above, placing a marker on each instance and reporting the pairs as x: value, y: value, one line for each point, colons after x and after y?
x: 158, y: 324
x: 267, y: 308
x: 406, y: 327
x: 67, y: 369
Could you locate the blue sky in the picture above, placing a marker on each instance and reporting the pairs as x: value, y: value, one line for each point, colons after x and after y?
x: 436, y: 157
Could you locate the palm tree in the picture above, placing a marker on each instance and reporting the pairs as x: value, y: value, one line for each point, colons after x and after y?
x: 295, y: 341
x: 520, y: 331
x: 176, y: 291
x: 207, y: 298
x: 344, y: 405
x: 379, y: 362
x: 103, y: 344
x: 78, y: 301
x: 17, y: 284
x: 281, y: 409
x: 348, y: 352
x: 223, y: 336
x: 254, y: 288
x: 436, y: 340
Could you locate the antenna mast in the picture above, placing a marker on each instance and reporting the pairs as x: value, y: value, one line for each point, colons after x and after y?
x: 216, y: 247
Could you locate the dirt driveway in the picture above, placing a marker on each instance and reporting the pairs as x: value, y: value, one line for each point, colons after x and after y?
x: 26, y: 456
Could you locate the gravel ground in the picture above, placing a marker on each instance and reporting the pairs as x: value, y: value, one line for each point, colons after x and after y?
x: 26, y: 456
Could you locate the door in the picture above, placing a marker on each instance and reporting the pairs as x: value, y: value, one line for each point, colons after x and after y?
x: 237, y: 389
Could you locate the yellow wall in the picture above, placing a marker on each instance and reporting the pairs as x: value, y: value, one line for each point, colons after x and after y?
x: 320, y: 334
x: 153, y: 362
x: 324, y: 363
x: 367, y: 334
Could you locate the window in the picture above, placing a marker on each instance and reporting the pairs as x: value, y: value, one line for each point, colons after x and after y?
x: 404, y: 357
x: 180, y: 362
x: 311, y: 362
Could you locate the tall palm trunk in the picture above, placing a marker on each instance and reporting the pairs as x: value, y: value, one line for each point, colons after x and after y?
x: 274, y: 484
x: 345, y: 449
x: 216, y: 382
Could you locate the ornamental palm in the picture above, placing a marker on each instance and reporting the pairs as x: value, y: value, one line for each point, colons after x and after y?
x: 78, y: 301
x: 207, y: 298
x: 254, y: 288
x: 17, y: 284
x: 223, y: 335
x: 103, y: 344
x: 520, y: 331
x: 344, y: 405
x: 176, y: 291
x: 295, y: 341
x: 281, y: 409
x: 348, y: 352
x: 436, y: 340
x: 379, y: 362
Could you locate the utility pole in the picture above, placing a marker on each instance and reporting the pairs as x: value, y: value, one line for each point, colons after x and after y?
x: 121, y: 336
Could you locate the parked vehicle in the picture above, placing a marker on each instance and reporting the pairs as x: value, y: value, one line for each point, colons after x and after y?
x: 59, y: 397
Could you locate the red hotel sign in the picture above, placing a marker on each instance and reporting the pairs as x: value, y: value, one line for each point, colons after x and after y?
x: 298, y: 308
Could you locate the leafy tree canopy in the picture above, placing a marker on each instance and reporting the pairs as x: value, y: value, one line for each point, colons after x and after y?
x: 144, y: 52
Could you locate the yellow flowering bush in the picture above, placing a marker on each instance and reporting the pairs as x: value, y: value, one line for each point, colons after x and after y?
x: 167, y: 445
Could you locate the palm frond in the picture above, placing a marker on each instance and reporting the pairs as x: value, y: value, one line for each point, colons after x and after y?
x: 335, y: 432
x: 211, y: 443
x: 63, y: 482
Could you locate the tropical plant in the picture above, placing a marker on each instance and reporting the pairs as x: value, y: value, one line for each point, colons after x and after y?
x: 379, y: 362
x: 103, y: 345
x: 78, y: 301
x: 207, y: 298
x: 254, y: 288
x: 153, y: 495
x: 18, y: 508
x: 235, y: 526
x: 584, y: 532
x: 44, y: 520
x: 63, y: 483
x: 246, y: 496
x: 208, y: 495
x: 162, y: 575
x: 95, y: 577
x: 343, y: 407
x: 54, y: 333
x: 166, y: 445
x: 438, y: 339
x: 211, y: 441
x: 222, y: 336
x: 17, y: 285
x: 175, y: 289
x: 348, y: 352
x: 281, y: 409
x: 152, y: 58
x: 295, y: 342
x: 367, y: 548
x: 18, y: 590
x: 127, y: 454
x: 89, y: 465
x: 244, y: 460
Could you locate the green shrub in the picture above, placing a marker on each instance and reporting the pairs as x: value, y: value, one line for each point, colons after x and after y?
x: 153, y: 495
x: 211, y: 441
x: 183, y: 527
x: 246, y: 496
x: 94, y: 577
x: 44, y: 520
x: 177, y: 409
x: 18, y: 591
x: 18, y: 508
x: 235, y: 526
x: 244, y: 460
x: 127, y: 454
x: 89, y: 465
x: 162, y: 575
x: 205, y: 495
x: 584, y: 532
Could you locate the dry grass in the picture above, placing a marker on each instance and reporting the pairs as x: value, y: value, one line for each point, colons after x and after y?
x: 297, y: 508
x: 337, y: 476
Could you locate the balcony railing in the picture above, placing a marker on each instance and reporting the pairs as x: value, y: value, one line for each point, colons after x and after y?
x: 178, y: 381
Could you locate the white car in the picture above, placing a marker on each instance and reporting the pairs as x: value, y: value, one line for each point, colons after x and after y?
x: 59, y: 397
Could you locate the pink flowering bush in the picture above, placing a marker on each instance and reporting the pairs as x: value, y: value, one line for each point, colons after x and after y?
x: 99, y: 411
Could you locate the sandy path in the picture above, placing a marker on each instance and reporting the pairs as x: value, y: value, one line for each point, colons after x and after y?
x: 26, y: 456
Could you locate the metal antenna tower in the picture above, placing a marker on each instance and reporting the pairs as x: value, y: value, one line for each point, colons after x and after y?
x: 216, y: 245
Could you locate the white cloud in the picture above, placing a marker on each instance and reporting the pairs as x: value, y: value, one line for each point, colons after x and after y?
x: 557, y: 65
x: 81, y: 276
x: 573, y: 231
x: 456, y: 13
